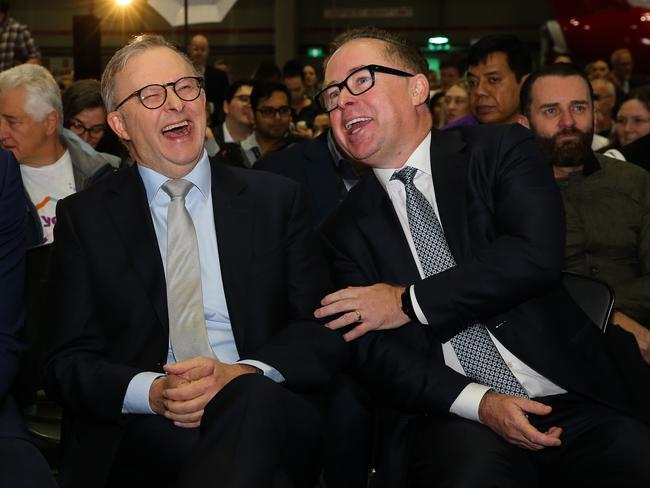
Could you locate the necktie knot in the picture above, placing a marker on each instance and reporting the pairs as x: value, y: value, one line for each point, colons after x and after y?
x: 405, y: 175
x: 177, y: 188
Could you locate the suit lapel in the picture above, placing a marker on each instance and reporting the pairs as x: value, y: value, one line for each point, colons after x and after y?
x: 380, y: 224
x: 449, y: 180
x: 321, y: 175
x: 233, y: 225
x: 130, y: 214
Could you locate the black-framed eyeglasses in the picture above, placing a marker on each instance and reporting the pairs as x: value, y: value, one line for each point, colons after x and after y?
x: 77, y: 126
x: 357, y: 82
x: 154, y: 96
x: 268, y: 112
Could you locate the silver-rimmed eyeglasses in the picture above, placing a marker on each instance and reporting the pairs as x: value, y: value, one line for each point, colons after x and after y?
x: 154, y: 96
x: 359, y: 81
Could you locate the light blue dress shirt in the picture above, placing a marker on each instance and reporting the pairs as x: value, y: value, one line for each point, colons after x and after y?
x: 199, y: 204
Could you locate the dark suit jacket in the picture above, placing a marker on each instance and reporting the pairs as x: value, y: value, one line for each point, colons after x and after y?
x: 216, y: 84
x: 111, y: 321
x: 12, y: 276
x: 503, y: 219
x: 311, y: 164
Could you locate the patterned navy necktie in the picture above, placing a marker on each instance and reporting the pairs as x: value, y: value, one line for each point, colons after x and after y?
x: 476, y: 352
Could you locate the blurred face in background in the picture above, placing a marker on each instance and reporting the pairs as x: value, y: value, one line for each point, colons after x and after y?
x: 632, y: 121
x: 309, y: 75
x: 448, y: 76
x: 296, y: 88
x: 321, y: 124
x: 89, y: 125
x: 239, y: 108
x: 456, y: 103
x: 598, y: 69
x: 269, y: 122
x: 622, y: 64
x: 199, y: 50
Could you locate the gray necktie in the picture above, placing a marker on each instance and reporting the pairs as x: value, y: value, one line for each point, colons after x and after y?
x: 187, y: 330
x: 475, y: 350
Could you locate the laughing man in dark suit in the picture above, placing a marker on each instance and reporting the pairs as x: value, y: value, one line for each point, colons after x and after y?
x: 132, y: 402
x: 456, y: 239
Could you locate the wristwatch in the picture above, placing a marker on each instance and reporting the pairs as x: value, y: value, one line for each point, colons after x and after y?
x: 407, y: 305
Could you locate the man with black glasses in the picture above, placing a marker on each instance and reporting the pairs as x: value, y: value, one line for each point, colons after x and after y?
x: 184, y: 292
x: 272, y: 118
x: 455, y: 242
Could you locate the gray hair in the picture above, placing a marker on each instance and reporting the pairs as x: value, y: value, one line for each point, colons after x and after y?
x: 117, y: 63
x: 43, y: 93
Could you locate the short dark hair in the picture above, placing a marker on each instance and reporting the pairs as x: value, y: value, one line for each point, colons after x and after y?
x: 292, y: 68
x: 517, y: 54
x: 79, y: 96
x: 562, y: 70
x: 453, y: 63
x: 234, y: 87
x: 267, y: 71
x: 266, y: 90
x: 405, y: 54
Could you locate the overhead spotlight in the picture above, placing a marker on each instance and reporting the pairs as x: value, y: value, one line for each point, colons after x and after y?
x: 123, y: 3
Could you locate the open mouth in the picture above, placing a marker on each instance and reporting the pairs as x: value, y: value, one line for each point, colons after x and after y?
x: 355, y: 125
x: 180, y: 129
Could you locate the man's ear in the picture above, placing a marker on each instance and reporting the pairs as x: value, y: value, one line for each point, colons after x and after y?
x: 116, y: 122
x: 523, y: 80
x: 523, y: 120
x: 52, y: 123
x: 419, y: 86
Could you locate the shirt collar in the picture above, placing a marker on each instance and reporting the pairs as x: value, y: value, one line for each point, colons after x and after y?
x: 200, y: 176
x: 419, y: 159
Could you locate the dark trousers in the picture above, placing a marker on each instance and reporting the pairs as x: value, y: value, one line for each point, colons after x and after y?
x: 254, y: 433
x: 23, y: 466
x: 600, y: 448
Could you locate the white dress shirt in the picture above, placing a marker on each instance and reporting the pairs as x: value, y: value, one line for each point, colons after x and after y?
x: 199, y: 204
x: 467, y: 403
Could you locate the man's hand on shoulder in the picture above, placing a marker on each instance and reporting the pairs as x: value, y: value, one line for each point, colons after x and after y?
x: 507, y: 416
x: 189, y: 385
x: 376, y: 307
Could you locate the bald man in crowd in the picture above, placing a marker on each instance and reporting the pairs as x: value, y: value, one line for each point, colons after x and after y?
x: 215, y: 81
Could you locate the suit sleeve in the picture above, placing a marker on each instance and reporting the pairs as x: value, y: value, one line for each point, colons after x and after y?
x: 303, y: 351
x: 12, y: 272
x: 401, y: 367
x: 633, y: 296
x: 522, y: 251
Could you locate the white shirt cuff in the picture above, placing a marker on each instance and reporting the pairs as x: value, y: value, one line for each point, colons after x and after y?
x: 136, y: 399
x: 467, y: 402
x: 416, y: 306
x: 268, y: 371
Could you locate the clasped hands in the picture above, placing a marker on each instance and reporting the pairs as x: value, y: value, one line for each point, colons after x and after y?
x: 182, y: 394
x: 376, y: 307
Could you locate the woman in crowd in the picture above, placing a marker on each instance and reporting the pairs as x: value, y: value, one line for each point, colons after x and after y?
x: 84, y: 112
x: 456, y: 105
x: 85, y: 115
x: 633, y: 118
